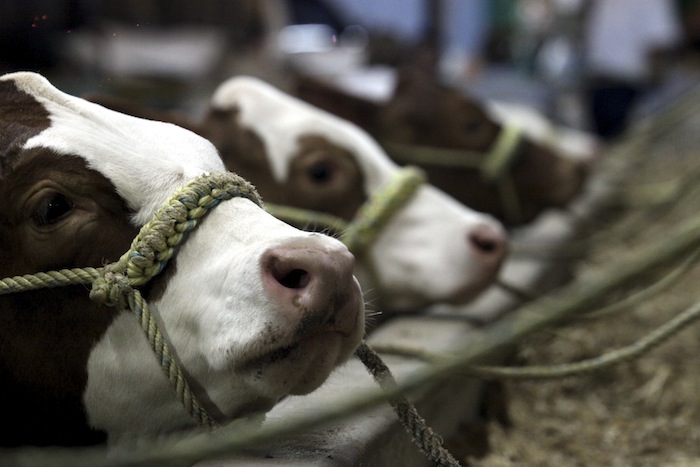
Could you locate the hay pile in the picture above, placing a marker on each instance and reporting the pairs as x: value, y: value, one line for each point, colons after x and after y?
x: 647, y: 412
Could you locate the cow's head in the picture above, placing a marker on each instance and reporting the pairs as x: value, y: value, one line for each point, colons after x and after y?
x: 421, y: 114
x: 432, y: 250
x: 253, y: 308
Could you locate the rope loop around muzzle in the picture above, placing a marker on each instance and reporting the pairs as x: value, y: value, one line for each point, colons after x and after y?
x: 157, y: 241
x: 380, y: 208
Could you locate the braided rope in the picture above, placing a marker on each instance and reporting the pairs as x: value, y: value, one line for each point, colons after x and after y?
x: 380, y: 208
x: 156, y: 243
x: 423, y: 436
x: 43, y: 280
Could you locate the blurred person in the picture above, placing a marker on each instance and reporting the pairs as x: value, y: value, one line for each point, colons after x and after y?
x: 627, y: 45
x: 400, y: 29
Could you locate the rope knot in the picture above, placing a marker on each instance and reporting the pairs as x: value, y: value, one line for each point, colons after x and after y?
x: 111, y: 289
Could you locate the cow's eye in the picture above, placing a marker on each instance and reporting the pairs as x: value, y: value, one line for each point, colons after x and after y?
x: 52, y: 209
x: 321, y: 172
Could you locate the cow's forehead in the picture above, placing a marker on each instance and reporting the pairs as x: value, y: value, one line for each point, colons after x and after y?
x: 143, y: 159
x: 280, y: 120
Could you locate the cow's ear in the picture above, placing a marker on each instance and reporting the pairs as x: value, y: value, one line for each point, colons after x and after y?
x: 129, y: 107
x: 317, y: 92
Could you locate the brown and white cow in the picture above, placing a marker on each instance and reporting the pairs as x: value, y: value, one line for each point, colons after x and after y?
x: 253, y: 308
x: 408, y: 108
x: 433, y: 251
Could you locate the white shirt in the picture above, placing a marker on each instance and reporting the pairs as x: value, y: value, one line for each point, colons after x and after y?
x: 465, y: 21
x: 620, y: 34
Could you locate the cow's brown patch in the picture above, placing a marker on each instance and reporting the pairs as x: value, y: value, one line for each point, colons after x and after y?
x: 54, y: 213
x: 322, y: 176
x: 22, y: 117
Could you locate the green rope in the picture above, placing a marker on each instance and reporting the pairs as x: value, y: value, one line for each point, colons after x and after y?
x: 493, y: 165
x: 375, y: 214
x: 499, y: 159
x: 371, y: 218
x: 433, y: 156
x: 156, y: 243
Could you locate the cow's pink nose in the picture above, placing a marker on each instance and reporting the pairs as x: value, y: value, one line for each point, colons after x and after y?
x: 315, y: 283
x: 488, y: 241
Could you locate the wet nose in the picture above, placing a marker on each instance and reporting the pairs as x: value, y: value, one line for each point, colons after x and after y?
x: 314, y: 282
x: 489, y: 242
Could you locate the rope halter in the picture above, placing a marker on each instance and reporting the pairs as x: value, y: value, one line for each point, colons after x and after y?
x: 493, y: 166
x: 157, y: 242
x: 359, y: 234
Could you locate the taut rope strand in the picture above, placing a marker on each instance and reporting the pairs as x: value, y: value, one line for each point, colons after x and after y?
x: 423, y: 436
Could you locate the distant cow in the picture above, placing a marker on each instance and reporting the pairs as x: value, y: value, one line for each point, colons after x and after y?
x: 433, y: 250
x: 546, y: 167
x: 253, y: 309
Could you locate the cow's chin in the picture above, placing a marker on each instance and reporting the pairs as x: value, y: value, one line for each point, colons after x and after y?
x: 301, y: 367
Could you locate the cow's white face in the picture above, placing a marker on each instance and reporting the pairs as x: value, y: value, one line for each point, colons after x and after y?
x: 433, y: 250
x: 253, y: 308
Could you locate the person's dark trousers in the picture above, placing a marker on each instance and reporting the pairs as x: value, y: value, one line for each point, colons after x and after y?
x: 610, y: 105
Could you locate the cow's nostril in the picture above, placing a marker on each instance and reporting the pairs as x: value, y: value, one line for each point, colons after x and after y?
x: 484, y: 244
x: 488, y: 240
x: 294, y: 279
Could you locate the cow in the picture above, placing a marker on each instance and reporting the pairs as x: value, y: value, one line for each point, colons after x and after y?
x: 419, y: 121
x: 253, y: 308
x: 433, y: 250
